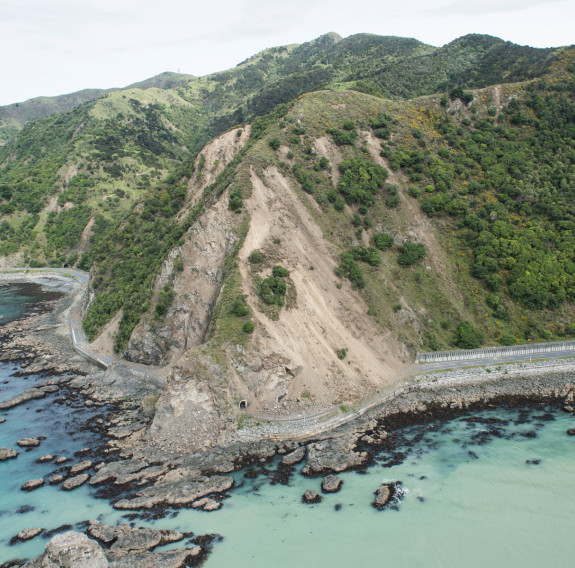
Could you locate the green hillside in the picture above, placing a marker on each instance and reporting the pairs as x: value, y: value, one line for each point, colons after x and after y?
x: 471, y: 143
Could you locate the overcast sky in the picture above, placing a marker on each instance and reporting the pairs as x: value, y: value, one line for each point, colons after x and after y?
x: 51, y: 47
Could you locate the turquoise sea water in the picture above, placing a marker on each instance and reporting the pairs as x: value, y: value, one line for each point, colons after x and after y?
x: 490, y: 488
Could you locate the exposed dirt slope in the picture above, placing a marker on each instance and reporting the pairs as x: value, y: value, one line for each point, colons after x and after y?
x: 306, y: 337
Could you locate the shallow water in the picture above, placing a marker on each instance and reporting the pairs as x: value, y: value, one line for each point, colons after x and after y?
x: 16, y: 299
x: 491, y: 488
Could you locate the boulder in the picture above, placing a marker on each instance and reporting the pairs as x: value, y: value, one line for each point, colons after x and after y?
x: 7, y: 453
x: 2, y: 420
x: 80, y: 467
x: 331, y: 484
x: 385, y: 493
x: 311, y: 496
x: 61, y: 460
x: 28, y: 442
x: 74, y: 482
x: 71, y: 550
x: 571, y: 432
x: 28, y: 534
x: 56, y: 478
x: 32, y: 484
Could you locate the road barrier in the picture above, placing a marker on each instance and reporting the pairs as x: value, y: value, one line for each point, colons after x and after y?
x: 495, y: 352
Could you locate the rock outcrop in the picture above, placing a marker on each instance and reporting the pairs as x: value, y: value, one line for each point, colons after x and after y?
x: 71, y: 550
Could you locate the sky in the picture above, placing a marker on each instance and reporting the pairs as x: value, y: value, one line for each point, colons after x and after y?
x: 52, y: 47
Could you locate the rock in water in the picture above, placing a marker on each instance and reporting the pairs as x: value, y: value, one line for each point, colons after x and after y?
x: 331, y: 484
x: 7, y: 453
x: 32, y: 484
x: 71, y: 550
x: 385, y: 493
x: 80, y: 467
x: 571, y: 432
x: 28, y: 534
x: 74, y: 482
x: 28, y: 442
x: 45, y: 458
x: 311, y: 496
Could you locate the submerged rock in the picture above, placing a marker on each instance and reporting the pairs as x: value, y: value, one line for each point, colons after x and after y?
x: 331, y: 484
x: 7, y: 453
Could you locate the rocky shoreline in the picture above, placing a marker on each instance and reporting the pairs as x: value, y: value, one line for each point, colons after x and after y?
x: 138, y: 477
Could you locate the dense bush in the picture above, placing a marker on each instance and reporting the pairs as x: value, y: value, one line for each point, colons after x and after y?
x: 468, y: 336
x: 349, y: 268
x: 382, y: 240
x: 411, y: 253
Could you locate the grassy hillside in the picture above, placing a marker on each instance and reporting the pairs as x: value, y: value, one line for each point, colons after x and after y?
x: 13, y: 117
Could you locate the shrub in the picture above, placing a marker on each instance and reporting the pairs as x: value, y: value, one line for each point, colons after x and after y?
x: 382, y: 240
x: 236, y: 202
x: 350, y: 269
x: 468, y: 336
x: 256, y: 257
x: 280, y: 271
x: 323, y: 163
x: 411, y: 253
x: 339, y: 204
x: 369, y: 255
x: 507, y: 339
x: 248, y: 327
x: 342, y: 353
x: 240, y: 308
x: 165, y: 299
x: 274, y: 143
x: 273, y: 290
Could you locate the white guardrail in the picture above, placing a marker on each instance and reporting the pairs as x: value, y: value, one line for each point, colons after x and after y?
x: 495, y: 352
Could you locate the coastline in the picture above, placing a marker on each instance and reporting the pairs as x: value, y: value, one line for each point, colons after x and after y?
x: 168, y: 479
